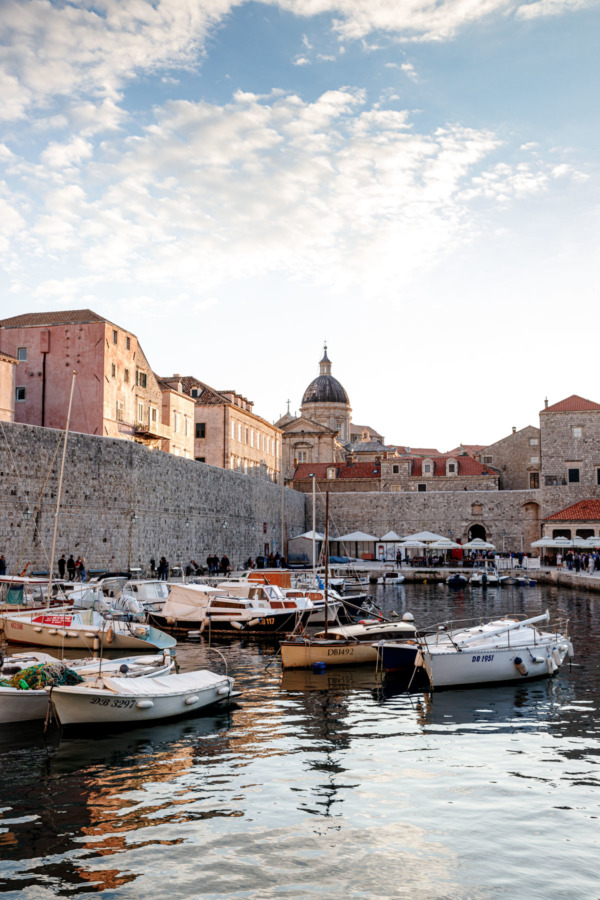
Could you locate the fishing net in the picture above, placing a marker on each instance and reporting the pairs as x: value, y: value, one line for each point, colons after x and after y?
x: 41, y: 676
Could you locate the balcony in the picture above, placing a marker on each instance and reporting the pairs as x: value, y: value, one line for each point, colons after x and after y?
x: 152, y: 431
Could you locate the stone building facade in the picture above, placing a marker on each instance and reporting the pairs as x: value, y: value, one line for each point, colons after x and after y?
x: 516, y: 459
x: 178, y: 419
x: 436, y: 473
x: 229, y: 434
x: 116, y: 394
x: 570, y: 444
x: 8, y: 366
x: 581, y: 519
x: 122, y: 506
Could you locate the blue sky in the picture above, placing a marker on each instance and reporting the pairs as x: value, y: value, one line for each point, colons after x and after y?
x: 415, y: 182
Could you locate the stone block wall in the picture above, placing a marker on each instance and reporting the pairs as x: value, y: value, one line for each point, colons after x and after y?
x: 123, y: 504
x: 516, y: 457
x: 571, y: 440
x: 506, y: 516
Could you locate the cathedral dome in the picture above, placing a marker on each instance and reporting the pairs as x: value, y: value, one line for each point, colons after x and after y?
x: 325, y: 388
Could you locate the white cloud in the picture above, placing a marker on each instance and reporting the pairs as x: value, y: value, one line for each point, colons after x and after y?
x: 538, y: 8
x: 332, y: 192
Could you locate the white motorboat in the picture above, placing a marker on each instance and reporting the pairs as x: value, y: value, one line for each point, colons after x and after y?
x: 456, y: 580
x: 345, y: 644
x: 196, y: 607
x: 487, y: 576
x: 26, y: 705
x: 498, y: 651
x: 87, y: 629
x: 120, y: 701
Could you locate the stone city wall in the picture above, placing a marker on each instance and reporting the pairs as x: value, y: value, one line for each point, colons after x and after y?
x: 450, y: 514
x: 123, y: 504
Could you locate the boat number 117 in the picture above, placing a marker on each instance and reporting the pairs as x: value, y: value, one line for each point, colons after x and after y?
x: 483, y: 658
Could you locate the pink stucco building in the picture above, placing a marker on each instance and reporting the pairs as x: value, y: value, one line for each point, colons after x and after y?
x: 8, y: 365
x: 116, y: 393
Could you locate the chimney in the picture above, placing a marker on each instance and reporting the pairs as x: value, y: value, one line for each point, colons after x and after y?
x: 514, y: 429
x: 546, y: 403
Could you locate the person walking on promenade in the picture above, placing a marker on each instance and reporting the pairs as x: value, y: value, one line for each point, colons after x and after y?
x: 80, y: 568
x: 163, y: 569
x: 71, y: 568
x: 62, y: 565
x: 225, y: 566
x: 152, y: 567
x: 2, y: 565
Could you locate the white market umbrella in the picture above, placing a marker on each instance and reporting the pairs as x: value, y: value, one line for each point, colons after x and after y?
x: 356, y: 536
x: 542, y: 542
x: 444, y: 545
x: 592, y: 542
x: 413, y: 545
x: 478, y: 544
x: 309, y: 536
x: 391, y: 536
x: 426, y: 536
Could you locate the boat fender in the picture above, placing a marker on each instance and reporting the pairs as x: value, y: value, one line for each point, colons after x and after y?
x: 38, y: 630
x: 570, y: 650
x: 53, y: 631
x: 521, y: 667
x: 63, y: 633
x: 124, y: 668
x: 551, y: 665
x: 318, y: 667
x: 253, y: 622
x: 171, y: 620
x: 189, y: 701
x: 204, y: 624
x: 556, y: 657
x: 223, y: 690
x: 237, y: 625
x: 536, y: 659
x: 110, y: 635
x: 145, y: 704
x: 23, y: 685
x: 419, y: 660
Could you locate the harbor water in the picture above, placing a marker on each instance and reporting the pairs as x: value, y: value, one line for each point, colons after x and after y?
x: 334, y: 784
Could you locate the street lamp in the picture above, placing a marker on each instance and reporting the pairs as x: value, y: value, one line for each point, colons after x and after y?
x: 503, y: 539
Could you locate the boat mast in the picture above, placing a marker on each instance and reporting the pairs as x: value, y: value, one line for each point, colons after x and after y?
x: 326, y: 560
x: 60, y: 481
x: 314, y: 489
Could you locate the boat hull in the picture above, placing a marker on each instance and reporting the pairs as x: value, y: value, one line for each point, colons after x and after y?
x: 269, y: 624
x: 79, y: 706
x: 397, y: 657
x: 22, y: 706
x: 303, y: 654
x: 491, y: 665
x: 62, y: 633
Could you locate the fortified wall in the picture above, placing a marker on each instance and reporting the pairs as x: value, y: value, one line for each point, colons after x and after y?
x: 506, y: 516
x: 123, y: 504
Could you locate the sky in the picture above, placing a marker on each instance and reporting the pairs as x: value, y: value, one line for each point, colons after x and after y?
x: 415, y: 182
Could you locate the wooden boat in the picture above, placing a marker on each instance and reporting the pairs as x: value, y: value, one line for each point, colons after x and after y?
x: 121, y: 701
x: 86, y: 629
x: 195, y: 607
x: 499, y: 651
x: 18, y: 705
x: 344, y: 645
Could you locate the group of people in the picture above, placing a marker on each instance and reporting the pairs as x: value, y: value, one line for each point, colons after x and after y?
x: 162, y: 572
x: 579, y: 562
x: 74, y: 569
x: 218, y: 566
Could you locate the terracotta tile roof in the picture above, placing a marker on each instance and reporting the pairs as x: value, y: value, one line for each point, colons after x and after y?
x: 574, y: 403
x: 63, y: 317
x: 416, y: 451
x: 470, y: 449
x: 7, y: 357
x: 357, y: 470
x: 585, y: 510
x: 467, y: 465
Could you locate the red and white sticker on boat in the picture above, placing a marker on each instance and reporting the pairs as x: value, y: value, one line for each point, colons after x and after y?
x: 53, y: 620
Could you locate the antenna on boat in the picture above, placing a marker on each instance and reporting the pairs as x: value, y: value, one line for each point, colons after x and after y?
x: 60, y: 481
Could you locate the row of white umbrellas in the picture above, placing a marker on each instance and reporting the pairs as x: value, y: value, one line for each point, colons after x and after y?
x: 423, y: 539
x: 564, y: 543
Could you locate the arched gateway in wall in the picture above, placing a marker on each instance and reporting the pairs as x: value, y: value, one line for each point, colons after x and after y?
x: 477, y: 531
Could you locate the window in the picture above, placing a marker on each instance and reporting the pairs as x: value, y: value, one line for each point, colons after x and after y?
x: 128, y: 343
x: 140, y: 378
x: 175, y: 422
x: 488, y: 459
x: 233, y: 432
x: 395, y: 470
x: 534, y: 460
x: 451, y: 468
x: 140, y: 412
x: 119, y: 410
x: 153, y: 415
x: 20, y: 393
x: 302, y: 456
x: 126, y: 376
x: 240, y: 432
x: 427, y: 469
x: 203, y: 459
x: 115, y: 337
x: 200, y: 429
x: 577, y: 432
x: 194, y: 392
x: 533, y: 442
x: 421, y: 487
x: 534, y: 479
x: 22, y: 354
x: 573, y: 476
x: 331, y: 472
x: 113, y: 370
x: 186, y: 429
x: 252, y: 437
x: 597, y: 476
x: 246, y: 435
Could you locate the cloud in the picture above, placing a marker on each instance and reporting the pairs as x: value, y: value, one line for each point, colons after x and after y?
x: 333, y: 192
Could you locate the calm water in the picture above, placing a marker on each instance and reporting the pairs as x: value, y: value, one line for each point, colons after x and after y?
x: 325, y: 785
